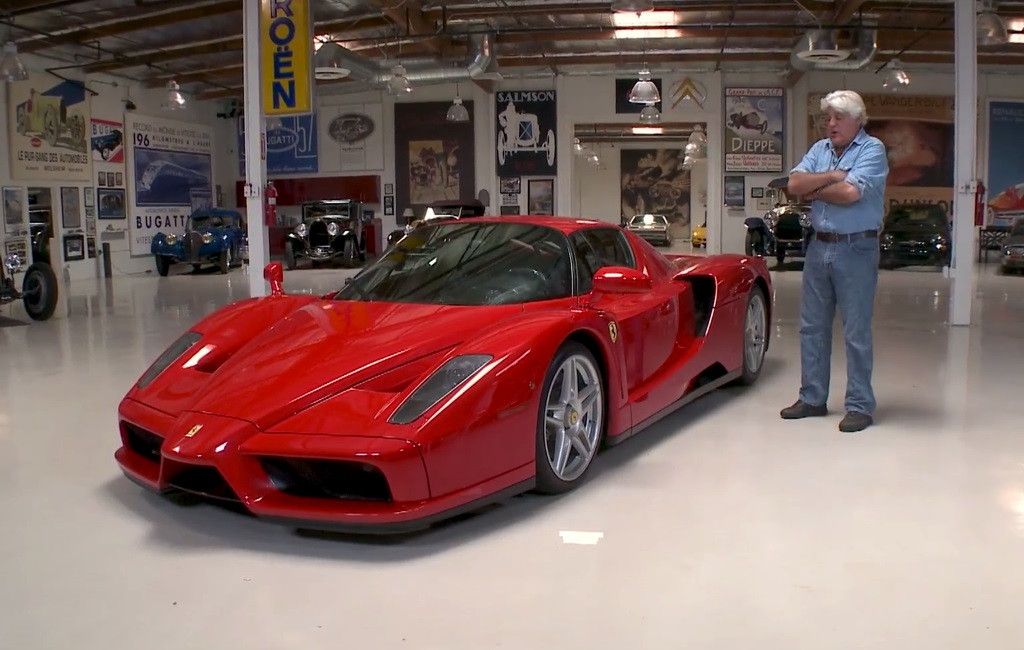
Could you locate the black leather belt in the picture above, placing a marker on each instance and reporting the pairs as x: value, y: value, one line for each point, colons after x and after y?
x: 835, y: 238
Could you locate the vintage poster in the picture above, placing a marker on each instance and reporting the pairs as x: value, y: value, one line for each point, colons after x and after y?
x: 526, y: 132
x: 433, y: 157
x: 917, y: 131
x: 291, y: 145
x: 107, y: 139
x: 14, y: 210
x: 1005, y: 184
x: 170, y: 170
x: 47, y: 125
x: 654, y: 181
x: 754, y: 129
x: 351, y: 138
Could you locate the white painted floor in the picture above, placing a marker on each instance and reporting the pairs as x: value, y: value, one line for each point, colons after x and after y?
x: 722, y: 527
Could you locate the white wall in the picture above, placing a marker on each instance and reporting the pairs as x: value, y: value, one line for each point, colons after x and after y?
x: 108, y: 104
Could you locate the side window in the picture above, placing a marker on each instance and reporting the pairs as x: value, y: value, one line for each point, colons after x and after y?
x: 611, y: 247
x: 597, y: 248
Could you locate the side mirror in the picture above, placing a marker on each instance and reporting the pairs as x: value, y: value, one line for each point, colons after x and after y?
x: 620, y: 279
x: 274, y: 274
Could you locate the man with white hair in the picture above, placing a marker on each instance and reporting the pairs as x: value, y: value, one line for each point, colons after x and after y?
x: 843, y: 175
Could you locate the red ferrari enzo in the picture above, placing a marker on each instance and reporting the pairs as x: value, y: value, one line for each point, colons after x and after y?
x: 475, y: 360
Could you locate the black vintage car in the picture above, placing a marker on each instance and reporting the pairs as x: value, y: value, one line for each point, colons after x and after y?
x: 38, y: 287
x: 330, y: 232
x: 915, y: 235
x: 783, y: 231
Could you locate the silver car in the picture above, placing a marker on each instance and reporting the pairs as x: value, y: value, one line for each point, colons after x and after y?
x: 652, y: 227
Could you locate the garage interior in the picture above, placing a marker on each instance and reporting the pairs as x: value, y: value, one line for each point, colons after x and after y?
x: 721, y: 526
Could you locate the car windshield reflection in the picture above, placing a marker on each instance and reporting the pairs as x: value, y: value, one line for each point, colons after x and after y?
x: 460, y: 263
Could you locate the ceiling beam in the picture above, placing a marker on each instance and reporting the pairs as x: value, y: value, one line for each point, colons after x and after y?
x: 25, y: 7
x: 233, y: 70
x: 844, y: 12
x: 410, y: 19
x: 148, y: 20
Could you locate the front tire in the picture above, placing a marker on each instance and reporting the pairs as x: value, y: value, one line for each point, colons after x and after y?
x: 755, y: 336
x: 570, y: 425
x: 163, y: 265
x: 225, y: 261
x: 39, y: 291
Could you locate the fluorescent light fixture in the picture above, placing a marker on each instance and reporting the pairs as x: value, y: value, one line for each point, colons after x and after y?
x: 1016, y: 31
x: 632, y: 6
x: 650, y: 24
x: 648, y: 130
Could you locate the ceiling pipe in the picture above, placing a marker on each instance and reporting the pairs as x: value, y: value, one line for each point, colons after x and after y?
x: 481, y: 63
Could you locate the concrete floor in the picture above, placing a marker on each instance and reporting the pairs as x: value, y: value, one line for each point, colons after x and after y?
x: 720, y: 527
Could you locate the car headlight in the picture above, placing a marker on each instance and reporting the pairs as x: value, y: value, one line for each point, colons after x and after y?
x: 770, y: 220
x: 177, y: 349
x: 301, y: 230
x: 1006, y: 250
x: 171, y: 240
x: 805, y: 221
x: 207, y: 238
x: 332, y: 229
x: 12, y: 263
x: 439, y: 384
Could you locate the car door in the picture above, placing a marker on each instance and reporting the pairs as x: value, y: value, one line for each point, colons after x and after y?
x: 648, y: 322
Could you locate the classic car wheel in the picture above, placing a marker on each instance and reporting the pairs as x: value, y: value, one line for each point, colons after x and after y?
x: 39, y: 291
x: 754, y: 244
x: 225, y: 260
x: 755, y: 336
x: 163, y: 265
x: 289, y: 256
x: 571, y: 421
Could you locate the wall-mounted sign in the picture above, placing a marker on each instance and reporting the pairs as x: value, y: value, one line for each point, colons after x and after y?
x: 526, y: 132
x: 291, y: 144
x: 754, y: 133
x: 286, y: 45
x: 349, y: 128
x: 48, y: 129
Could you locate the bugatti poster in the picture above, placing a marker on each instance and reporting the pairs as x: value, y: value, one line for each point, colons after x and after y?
x: 291, y: 144
x: 170, y: 168
x: 47, y: 129
x: 525, y: 132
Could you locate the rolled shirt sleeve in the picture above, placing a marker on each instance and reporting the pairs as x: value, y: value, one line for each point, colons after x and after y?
x: 870, y: 169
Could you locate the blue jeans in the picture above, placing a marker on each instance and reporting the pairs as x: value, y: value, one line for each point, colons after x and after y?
x: 843, y: 274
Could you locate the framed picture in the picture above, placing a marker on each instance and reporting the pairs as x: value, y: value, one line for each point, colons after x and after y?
x: 14, y: 208
x: 91, y: 247
x: 540, y: 196
x: 70, y: 208
x: 111, y: 203
x: 734, y: 194
x: 389, y: 206
x: 510, y: 199
x: 757, y: 192
x: 118, y: 180
x: 389, y: 188
x: 74, y: 248
x: 101, y: 179
x: 90, y: 197
x: 511, y: 185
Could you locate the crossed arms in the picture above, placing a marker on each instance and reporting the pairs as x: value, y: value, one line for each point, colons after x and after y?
x: 838, y: 186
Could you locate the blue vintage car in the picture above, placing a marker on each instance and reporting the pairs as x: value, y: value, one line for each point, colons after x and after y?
x: 212, y: 236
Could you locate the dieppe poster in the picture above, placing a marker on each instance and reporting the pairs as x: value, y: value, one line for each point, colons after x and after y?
x: 754, y: 129
x: 170, y: 171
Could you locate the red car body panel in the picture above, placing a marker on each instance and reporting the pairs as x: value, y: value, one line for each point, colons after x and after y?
x: 315, y: 380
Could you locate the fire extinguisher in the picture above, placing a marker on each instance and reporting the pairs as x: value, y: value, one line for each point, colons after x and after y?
x: 979, y: 205
x: 270, y: 209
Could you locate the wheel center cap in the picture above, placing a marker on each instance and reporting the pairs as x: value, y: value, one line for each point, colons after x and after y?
x: 574, y: 417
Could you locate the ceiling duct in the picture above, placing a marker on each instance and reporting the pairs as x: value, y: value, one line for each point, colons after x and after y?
x: 818, y: 50
x: 481, y: 64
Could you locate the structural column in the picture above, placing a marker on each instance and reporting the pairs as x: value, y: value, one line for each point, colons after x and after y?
x: 962, y: 269
x: 255, y: 165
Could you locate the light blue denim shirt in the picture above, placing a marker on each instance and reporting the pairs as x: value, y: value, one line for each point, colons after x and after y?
x: 866, y: 167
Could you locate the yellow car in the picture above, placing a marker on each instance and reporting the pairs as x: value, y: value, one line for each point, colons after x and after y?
x: 699, y: 238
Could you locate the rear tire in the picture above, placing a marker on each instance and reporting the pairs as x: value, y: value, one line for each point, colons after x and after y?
x: 755, y: 336
x: 754, y: 243
x: 225, y: 261
x: 39, y: 291
x: 571, y: 421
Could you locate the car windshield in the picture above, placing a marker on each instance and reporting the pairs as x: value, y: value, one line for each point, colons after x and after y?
x: 917, y: 217
x: 648, y: 220
x: 205, y: 221
x: 464, y: 263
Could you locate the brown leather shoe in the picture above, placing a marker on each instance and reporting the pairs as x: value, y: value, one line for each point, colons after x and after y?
x: 803, y: 410
x: 854, y: 421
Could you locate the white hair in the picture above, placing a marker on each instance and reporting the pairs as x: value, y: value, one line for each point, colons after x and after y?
x: 846, y: 102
